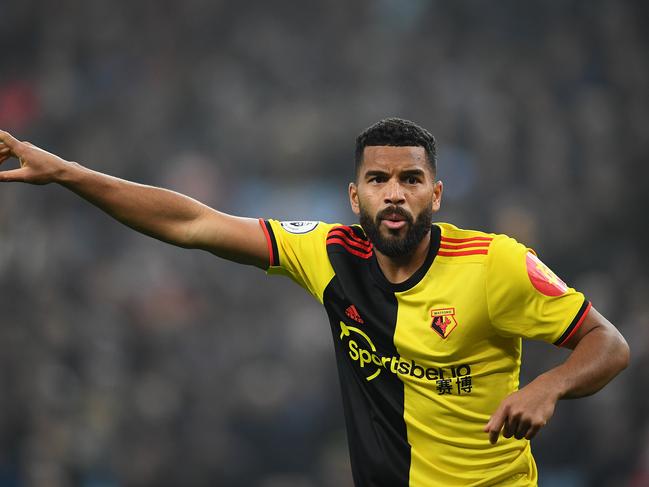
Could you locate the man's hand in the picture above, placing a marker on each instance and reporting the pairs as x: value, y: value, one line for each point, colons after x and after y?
x: 599, y: 353
x: 523, y: 413
x: 36, y: 165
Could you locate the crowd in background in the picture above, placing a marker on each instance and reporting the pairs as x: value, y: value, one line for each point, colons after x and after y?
x: 128, y: 362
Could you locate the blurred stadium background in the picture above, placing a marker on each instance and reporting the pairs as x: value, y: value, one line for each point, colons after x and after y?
x: 127, y: 362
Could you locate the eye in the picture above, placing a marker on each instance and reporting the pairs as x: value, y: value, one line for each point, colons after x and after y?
x: 412, y: 180
x: 376, y: 179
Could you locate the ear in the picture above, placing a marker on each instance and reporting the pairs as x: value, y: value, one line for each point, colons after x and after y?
x: 437, y: 195
x: 353, y: 198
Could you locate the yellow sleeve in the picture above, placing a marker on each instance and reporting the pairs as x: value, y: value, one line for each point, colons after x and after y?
x: 525, y: 298
x: 298, y: 249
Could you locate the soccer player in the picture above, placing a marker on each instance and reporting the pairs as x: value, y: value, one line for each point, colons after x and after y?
x: 427, y: 318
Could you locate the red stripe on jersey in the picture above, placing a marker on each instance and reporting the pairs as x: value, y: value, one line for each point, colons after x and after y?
x: 362, y: 250
x: 464, y: 246
x: 350, y: 233
x: 347, y: 232
x: 349, y: 248
x: 358, y: 243
x: 271, y: 255
x: 464, y: 252
x: 462, y: 240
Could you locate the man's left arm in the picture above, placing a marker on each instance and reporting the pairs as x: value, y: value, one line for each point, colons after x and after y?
x: 599, y: 353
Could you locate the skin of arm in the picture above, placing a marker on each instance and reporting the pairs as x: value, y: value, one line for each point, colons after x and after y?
x: 599, y: 353
x: 160, y: 213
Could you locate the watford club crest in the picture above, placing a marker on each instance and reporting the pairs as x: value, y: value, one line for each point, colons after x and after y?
x: 443, y: 321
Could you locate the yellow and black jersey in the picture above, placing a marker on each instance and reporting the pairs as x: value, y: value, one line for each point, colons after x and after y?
x: 424, y: 363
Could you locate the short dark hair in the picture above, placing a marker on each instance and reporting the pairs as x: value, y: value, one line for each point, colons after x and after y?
x: 399, y: 133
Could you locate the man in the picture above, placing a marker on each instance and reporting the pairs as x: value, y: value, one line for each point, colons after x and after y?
x: 427, y: 318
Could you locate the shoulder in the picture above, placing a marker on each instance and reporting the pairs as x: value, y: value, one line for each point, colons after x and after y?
x: 350, y: 239
x: 298, y: 229
x: 463, y: 245
x: 294, y: 239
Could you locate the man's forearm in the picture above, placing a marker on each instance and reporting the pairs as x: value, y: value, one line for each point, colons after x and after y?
x: 160, y: 213
x: 599, y: 353
x: 157, y: 212
x: 598, y: 357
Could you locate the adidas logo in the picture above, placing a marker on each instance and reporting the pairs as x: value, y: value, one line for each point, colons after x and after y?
x: 352, y: 313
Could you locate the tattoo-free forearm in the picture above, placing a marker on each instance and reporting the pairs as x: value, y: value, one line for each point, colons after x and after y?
x: 157, y: 212
x: 599, y: 354
x: 598, y: 357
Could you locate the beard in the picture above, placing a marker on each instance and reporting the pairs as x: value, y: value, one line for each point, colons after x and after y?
x: 393, y: 245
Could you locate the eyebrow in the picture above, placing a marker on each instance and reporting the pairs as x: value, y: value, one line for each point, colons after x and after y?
x: 413, y: 172
x: 374, y: 172
x: 405, y: 173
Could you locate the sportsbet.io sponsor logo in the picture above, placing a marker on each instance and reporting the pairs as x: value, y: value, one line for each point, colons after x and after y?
x: 453, y: 379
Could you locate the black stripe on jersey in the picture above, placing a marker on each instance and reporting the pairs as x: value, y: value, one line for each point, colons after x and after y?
x: 376, y: 430
x: 333, y: 239
x: 346, y: 239
x: 351, y: 232
x: 579, y: 317
x: 274, y: 258
x: 349, y: 248
x: 334, y: 235
x: 340, y: 233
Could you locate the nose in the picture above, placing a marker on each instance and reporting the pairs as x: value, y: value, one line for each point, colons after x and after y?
x: 394, y: 193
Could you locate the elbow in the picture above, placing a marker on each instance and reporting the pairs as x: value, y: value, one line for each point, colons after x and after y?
x: 618, y: 352
x: 624, y: 353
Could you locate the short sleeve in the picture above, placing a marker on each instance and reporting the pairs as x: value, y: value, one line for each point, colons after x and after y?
x: 525, y: 298
x: 298, y: 249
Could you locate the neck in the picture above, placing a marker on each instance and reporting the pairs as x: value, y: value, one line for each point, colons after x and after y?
x: 399, y: 269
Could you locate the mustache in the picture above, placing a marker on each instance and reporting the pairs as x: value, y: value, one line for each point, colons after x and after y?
x: 394, y: 210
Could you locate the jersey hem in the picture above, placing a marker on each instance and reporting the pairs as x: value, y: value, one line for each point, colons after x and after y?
x: 273, y: 253
x: 575, y: 324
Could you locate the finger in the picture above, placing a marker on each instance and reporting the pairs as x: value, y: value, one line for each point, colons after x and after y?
x: 495, y: 424
x: 521, y: 430
x: 510, y: 426
x: 15, y: 175
x: 532, y: 432
x: 7, y: 139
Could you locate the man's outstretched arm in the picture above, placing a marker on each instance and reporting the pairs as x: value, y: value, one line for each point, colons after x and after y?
x: 157, y: 212
x: 599, y: 353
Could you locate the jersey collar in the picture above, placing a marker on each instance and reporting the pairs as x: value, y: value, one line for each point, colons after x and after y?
x: 377, y: 273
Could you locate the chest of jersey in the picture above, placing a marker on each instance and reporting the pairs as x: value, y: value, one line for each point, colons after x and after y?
x: 444, y: 317
x: 432, y: 332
